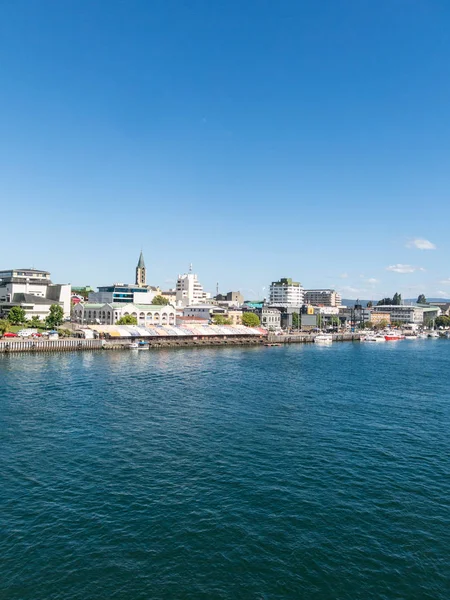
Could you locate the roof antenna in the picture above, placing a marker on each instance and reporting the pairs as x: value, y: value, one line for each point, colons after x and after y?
x: 190, y: 268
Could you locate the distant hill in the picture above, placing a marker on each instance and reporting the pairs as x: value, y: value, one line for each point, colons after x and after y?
x: 352, y: 301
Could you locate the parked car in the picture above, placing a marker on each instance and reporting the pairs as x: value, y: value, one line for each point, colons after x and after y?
x: 9, y: 334
x: 36, y: 334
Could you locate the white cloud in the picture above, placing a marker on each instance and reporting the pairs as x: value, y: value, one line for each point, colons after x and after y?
x: 372, y: 281
x: 442, y: 294
x: 352, y: 290
x: 399, y: 268
x: 445, y: 281
x: 421, y: 244
x: 343, y: 275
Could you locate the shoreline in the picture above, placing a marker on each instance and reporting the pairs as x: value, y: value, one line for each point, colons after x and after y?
x: 80, y: 345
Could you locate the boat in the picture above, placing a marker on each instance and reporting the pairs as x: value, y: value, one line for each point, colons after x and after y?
x: 143, y: 345
x: 422, y: 336
x: 433, y: 334
x: 393, y: 336
x: 323, y: 338
x: 411, y: 337
x: 373, y: 338
x: 271, y: 345
x: 133, y: 346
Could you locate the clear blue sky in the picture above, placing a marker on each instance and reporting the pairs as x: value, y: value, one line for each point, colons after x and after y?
x: 255, y: 139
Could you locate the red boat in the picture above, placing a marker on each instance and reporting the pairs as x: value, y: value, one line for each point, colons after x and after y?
x: 393, y: 336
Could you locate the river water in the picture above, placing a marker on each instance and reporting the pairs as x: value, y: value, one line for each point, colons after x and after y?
x: 259, y: 473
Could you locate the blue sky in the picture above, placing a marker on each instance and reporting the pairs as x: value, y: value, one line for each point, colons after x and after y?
x: 255, y: 139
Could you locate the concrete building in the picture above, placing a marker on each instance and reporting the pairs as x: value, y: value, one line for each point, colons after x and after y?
x: 189, y: 291
x: 324, y: 297
x: 110, y: 313
x: 403, y: 314
x: 444, y: 306
x: 33, y: 291
x: 235, y: 298
x: 209, y: 311
x: 379, y: 318
x: 170, y: 295
x: 270, y: 318
x: 286, y: 293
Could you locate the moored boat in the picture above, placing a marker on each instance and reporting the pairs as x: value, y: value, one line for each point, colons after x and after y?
x: 393, y: 336
x: 133, y: 346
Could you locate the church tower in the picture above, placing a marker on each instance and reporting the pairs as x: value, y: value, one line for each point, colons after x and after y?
x: 141, y: 278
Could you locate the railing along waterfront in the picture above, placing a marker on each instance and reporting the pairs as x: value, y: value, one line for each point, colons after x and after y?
x: 305, y: 338
x: 36, y: 345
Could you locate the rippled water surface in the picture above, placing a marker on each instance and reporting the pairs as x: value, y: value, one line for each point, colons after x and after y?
x: 266, y: 473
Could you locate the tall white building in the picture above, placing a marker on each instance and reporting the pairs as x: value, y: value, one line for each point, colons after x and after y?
x: 189, y: 291
x: 286, y: 293
x: 33, y: 291
x: 323, y: 298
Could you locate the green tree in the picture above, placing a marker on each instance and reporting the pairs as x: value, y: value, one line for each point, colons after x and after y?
x: 55, y: 317
x: 335, y: 321
x: 221, y: 320
x: 160, y: 300
x: 442, y: 321
x: 127, y: 320
x: 422, y: 299
x: 35, y: 322
x: 64, y: 332
x: 16, y: 315
x: 385, y: 302
x: 397, y: 299
x: 4, y: 326
x: 370, y: 304
x: 295, y: 321
x: 249, y: 319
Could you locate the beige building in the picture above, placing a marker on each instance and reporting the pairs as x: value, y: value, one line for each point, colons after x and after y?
x: 110, y: 313
x: 378, y: 318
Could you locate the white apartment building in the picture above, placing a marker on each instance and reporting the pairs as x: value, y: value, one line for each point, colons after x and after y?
x: 323, y: 298
x: 404, y: 314
x: 33, y: 291
x: 286, y: 293
x: 189, y: 291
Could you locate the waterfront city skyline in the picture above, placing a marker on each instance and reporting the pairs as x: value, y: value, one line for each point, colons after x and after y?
x: 255, y: 141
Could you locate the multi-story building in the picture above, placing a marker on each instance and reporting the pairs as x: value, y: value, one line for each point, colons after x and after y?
x: 270, y: 318
x: 33, y: 291
x: 323, y: 298
x: 286, y: 293
x: 122, y: 293
x: 380, y: 318
x: 403, y: 314
x: 189, y: 291
x: 110, y: 313
x: 235, y: 298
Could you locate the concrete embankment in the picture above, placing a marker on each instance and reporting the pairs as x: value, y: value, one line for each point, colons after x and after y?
x: 305, y: 338
x: 77, y: 344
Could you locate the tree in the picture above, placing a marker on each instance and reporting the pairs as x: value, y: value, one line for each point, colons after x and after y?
x: 249, y: 319
x: 370, y: 304
x: 335, y: 321
x: 221, y: 320
x: 55, y: 317
x: 421, y: 299
x: 35, y: 322
x: 4, y: 326
x: 397, y: 299
x: 385, y: 302
x: 16, y: 315
x: 442, y: 321
x: 160, y: 301
x: 295, y: 320
x: 64, y: 332
x: 127, y: 320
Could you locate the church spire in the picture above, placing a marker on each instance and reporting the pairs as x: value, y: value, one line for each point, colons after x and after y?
x: 141, y: 278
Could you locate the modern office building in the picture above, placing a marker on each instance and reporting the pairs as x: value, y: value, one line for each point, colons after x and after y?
x: 286, y: 293
x: 323, y: 298
x: 33, y: 291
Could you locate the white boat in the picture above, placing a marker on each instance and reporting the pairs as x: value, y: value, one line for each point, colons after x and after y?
x: 433, y: 334
x: 133, y: 346
x: 323, y: 338
x: 373, y: 338
x: 422, y: 336
x: 411, y: 337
